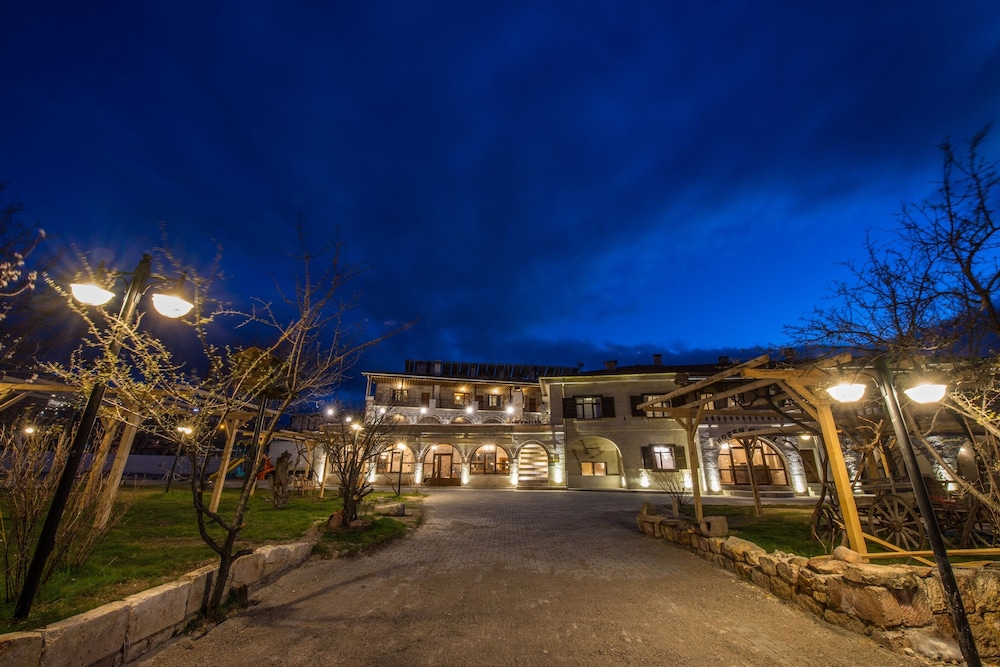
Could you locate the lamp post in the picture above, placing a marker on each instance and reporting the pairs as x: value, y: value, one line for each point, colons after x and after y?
x: 91, y: 295
x: 883, y: 378
x: 399, y: 484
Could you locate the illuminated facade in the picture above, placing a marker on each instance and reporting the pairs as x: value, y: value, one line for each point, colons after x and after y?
x: 517, y: 426
x: 612, y: 444
x: 469, y: 424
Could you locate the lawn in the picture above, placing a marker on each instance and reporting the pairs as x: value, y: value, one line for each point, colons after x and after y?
x: 782, y: 528
x: 156, y: 542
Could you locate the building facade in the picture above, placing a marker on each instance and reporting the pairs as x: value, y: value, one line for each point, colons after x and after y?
x: 520, y: 426
x: 469, y: 424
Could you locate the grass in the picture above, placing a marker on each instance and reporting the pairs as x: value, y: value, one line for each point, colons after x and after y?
x: 156, y: 542
x: 782, y: 528
x: 351, y: 543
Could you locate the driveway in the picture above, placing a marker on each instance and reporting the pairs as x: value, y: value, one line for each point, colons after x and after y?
x: 522, y: 578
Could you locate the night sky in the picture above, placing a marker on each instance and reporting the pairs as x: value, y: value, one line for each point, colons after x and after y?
x: 550, y: 183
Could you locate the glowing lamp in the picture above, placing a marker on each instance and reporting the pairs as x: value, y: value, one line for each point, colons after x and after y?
x: 846, y: 392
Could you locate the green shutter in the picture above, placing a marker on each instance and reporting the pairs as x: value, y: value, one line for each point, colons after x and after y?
x: 634, y: 402
x: 648, y: 462
x: 680, y: 457
x: 607, y: 407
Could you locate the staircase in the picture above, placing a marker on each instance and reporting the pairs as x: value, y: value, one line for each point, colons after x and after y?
x: 532, y: 468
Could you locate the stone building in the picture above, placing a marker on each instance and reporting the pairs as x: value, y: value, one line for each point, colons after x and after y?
x: 469, y: 424
x: 507, y: 425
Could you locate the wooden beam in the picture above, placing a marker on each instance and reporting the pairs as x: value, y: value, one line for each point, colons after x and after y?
x: 729, y: 392
x: 718, y: 377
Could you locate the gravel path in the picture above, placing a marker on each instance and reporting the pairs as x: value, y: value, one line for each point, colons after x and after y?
x: 522, y: 578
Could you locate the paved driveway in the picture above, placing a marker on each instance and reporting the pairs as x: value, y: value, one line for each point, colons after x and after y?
x: 522, y: 578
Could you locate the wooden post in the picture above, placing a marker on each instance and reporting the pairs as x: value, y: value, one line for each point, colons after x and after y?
x: 232, y: 429
x: 97, y: 462
x: 841, y: 480
x: 117, y: 471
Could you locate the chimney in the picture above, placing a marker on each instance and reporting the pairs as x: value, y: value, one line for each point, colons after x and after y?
x: 610, y: 365
x: 657, y: 359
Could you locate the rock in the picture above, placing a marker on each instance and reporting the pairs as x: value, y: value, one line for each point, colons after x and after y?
x: 395, y: 509
x: 847, y: 555
x: 713, y: 526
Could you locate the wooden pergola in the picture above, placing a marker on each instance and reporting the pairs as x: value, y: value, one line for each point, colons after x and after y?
x: 797, y: 406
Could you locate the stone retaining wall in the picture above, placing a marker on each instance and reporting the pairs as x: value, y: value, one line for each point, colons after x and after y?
x: 120, y: 632
x: 902, y: 607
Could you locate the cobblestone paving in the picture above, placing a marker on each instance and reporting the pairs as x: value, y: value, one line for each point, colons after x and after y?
x: 523, y: 578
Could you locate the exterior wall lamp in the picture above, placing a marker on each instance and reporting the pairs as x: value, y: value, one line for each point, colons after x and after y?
x: 922, y: 393
x: 167, y: 303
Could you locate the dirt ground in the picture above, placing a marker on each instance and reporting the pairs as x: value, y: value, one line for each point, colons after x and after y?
x: 522, y: 578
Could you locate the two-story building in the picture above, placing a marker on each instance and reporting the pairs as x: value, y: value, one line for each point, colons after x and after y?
x: 524, y: 426
x: 470, y: 424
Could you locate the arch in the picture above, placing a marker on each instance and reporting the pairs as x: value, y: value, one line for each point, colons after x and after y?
x: 532, y: 466
x: 442, y: 465
x: 429, y: 419
x: 489, y: 459
x: 593, y: 463
x: 769, y: 465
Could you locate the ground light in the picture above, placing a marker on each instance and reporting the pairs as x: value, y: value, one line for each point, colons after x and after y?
x: 90, y: 294
x: 926, y: 391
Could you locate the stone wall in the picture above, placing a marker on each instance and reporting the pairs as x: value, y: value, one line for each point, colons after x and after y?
x: 120, y: 632
x: 902, y: 607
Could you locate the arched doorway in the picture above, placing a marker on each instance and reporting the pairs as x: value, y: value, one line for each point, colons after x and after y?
x: 593, y: 463
x: 768, y: 465
x: 443, y: 466
x: 532, y: 467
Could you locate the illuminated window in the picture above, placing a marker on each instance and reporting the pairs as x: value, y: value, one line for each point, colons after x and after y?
x: 594, y: 468
x: 663, y: 457
x: 400, y: 395
x: 767, y: 465
x: 489, y: 460
x: 493, y: 400
x: 391, y: 462
x: 461, y: 398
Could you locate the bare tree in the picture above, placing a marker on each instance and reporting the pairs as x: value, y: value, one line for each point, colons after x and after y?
x: 353, y: 448
x: 927, y: 296
x: 309, y: 344
x: 17, y: 280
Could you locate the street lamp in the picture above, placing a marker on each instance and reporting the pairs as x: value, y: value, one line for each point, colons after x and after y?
x: 399, y: 486
x: 141, y: 279
x: 922, y: 393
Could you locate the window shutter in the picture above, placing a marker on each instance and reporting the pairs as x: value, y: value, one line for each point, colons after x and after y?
x: 569, y: 407
x: 607, y: 407
x: 634, y: 402
x: 680, y: 457
x: 648, y: 462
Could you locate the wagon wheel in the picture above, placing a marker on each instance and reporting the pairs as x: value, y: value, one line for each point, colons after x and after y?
x: 891, y: 519
x: 827, y: 528
x: 979, y: 531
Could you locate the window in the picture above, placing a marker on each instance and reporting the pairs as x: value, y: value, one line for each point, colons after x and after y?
x: 392, y: 462
x: 493, y: 400
x: 588, y: 407
x: 594, y: 468
x: 400, y: 395
x: 767, y: 465
x: 489, y: 460
x: 663, y: 457
x: 636, y: 401
x: 461, y: 398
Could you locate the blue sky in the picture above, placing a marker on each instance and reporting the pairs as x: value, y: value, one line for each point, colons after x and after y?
x: 549, y: 182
